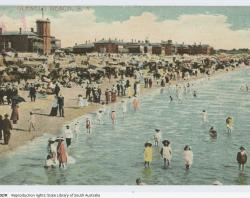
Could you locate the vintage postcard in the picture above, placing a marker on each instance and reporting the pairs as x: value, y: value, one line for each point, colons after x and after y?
x: 124, y: 95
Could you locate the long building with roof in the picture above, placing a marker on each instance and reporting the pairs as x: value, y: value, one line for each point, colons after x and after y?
x: 40, y: 41
x: 142, y: 47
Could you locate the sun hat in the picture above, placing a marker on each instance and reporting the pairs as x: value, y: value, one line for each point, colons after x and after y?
x: 59, y: 138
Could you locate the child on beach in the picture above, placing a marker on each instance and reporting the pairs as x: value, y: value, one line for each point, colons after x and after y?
x: 32, y: 122
x: 148, y: 154
x: 166, y: 153
x: 157, y: 137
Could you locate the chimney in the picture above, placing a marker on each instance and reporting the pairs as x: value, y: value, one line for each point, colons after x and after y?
x: 75, y: 44
x: 32, y: 29
x: 1, y: 31
x: 20, y: 30
x: 86, y: 41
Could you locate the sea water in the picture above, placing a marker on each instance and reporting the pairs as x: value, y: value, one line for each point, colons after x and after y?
x: 114, y: 156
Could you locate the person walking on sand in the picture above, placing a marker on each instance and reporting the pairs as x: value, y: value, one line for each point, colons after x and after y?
x: 61, y: 105
x: 61, y: 153
x: 166, y: 153
x: 80, y: 101
x: 32, y: 122
x: 148, y: 154
x: 32, y: 93
x: 129, y: 91
x: 54, y: 107
x: 68, y: 135
x: 242, y: 158
x: 15, y: 113
x: 1, y: 127
x: 88, y: 125
x: 188, y: 156
x: 57, y: 90
x: 7, y: 127
x: 157, y: 137
x: 113, y: 117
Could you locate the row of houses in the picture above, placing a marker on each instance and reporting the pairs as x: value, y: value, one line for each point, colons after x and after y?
x: 40, y: 41
x: 142, y: 47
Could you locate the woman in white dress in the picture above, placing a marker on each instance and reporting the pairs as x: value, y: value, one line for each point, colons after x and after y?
x: 80, y: 101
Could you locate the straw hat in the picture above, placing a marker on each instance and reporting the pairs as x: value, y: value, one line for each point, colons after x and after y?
x: 59, y: 139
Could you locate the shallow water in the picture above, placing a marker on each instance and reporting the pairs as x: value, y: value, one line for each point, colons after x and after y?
x: 115, y: 156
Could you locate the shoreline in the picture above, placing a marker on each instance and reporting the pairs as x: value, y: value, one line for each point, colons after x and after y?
x: 52, y: 125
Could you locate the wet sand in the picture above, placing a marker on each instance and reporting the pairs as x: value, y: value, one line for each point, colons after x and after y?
x: 47, y: 124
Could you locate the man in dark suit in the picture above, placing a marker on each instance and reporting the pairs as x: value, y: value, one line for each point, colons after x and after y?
x: 7, y: 127
x: 33, y: 93
x: 61, y: 105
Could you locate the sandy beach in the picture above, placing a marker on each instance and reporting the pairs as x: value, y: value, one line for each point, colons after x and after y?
x: 47, y: 124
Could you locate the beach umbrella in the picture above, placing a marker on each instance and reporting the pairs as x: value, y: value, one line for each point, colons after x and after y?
x: 18, y: 98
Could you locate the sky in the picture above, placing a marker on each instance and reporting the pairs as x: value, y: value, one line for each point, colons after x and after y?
x: 220, y: 27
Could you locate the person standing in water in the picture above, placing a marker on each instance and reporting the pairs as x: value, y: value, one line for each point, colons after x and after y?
x: 229, y: 123
x: 88, y: 125
x: 113, y: 118
x: 124, y: 108
x: 171, y: 98
x: 68, y: 135
x: 188, y: 156
x: 99, y: 116
x: 148, y: 154
x: 213, y: 132
x: 166, y: 153
x: 61, y: 153
x: 242, y: 158
x: 204, y: 115
x: 76, y: 130
x: 157, y: 137
x: 195, y: 94
x: 136, y: 103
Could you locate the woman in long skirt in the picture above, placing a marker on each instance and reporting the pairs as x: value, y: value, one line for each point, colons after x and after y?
x: 14, y: 114
x: 54, y: 108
